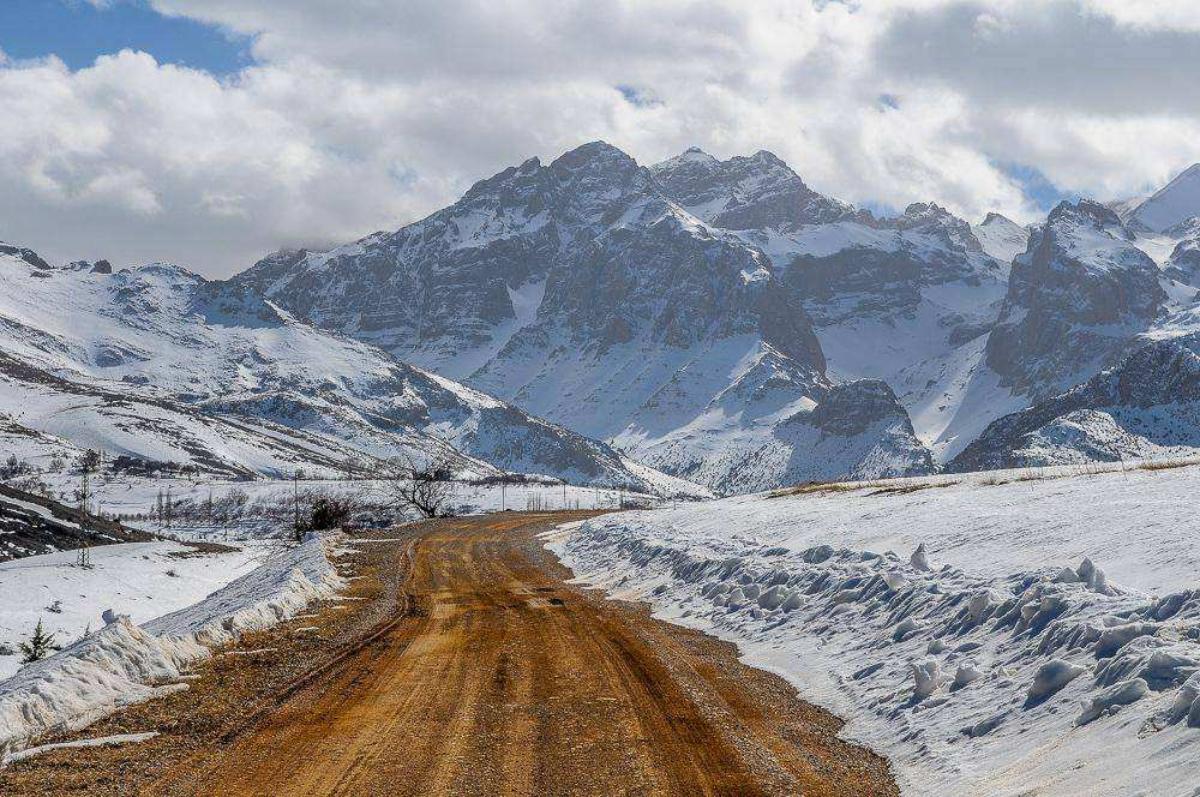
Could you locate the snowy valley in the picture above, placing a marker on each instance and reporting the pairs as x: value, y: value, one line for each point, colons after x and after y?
x: 935, y: 474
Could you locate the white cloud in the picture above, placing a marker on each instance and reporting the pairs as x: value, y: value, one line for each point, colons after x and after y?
x: 361, y: 115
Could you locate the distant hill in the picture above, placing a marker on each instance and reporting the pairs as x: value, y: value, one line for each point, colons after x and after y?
x: 32, y: 525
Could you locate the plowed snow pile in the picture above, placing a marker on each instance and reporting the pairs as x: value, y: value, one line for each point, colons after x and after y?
x: 125, y: 663
x: 1013, y: 638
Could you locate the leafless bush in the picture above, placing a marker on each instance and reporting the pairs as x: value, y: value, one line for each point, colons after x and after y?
x: 421, y: 483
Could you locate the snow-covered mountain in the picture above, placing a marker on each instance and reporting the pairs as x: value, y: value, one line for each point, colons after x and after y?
x: 1099, y: 332
x: 157, y: 363
x: 1175, y: 203
x: 1001, y: 237
x: 716, y: 320
x: 908, y: 300
x: 589, y: 291
x: 1148, y: 407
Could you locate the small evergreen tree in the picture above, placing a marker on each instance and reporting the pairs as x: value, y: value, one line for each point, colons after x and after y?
x: 39, y: 645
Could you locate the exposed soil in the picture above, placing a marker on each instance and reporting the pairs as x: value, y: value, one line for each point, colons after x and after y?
x: 471, y: 668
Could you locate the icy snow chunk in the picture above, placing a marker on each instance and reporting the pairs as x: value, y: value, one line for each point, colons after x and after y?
x: 984, y: 727
x: 904, y: 629
x: 1156, y: 661
x: 925, y: 678
x: 1093, y: 576
x: 1086, y: 570
x: 1113, y: 639
x: 1186, y: 704
x: 793, y: 602
x: 1066, y: 576
x: 1108, y: 700
x: 817, y: 554
x: 774, y: 597
x: 966, y: 674
x: 980, y: 602
x: 919, y: 559
x: 1050, y: 678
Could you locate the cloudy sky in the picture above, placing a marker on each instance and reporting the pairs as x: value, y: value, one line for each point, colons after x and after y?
x: 210, y: 132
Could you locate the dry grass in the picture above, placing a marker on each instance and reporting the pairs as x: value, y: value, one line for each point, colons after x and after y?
x: 818, y: 487
x: 1168, y: 464
x: 905, y: 489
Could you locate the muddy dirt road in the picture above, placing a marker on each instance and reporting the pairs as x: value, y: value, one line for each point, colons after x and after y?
x: 499, y: 679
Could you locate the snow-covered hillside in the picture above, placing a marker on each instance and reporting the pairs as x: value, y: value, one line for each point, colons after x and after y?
x: 142, y: 580
x: 157, y: 363
x: 1174, y: 204
x: 31, y: 524
x: 1148, y: 407
x: 995, y: 634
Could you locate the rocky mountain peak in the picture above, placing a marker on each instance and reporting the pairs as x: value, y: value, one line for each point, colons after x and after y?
x: 1001, y: 237
x: 1075, y: 298
x: 757, y: 192
x: 936, y: 220
x: 1088, y: 212
x: 595, y: 157
x: 28, y: 255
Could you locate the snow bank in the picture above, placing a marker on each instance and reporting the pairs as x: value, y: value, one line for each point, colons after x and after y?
x: 103, y: 741
x: 143, y: 580
x: 991, y: 680
x: 123, y: 663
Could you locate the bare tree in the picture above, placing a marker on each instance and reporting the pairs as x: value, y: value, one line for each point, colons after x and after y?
x: 421, y: 483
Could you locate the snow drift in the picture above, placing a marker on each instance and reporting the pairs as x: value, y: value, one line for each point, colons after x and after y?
x: 974, y: 679
x: 123, y: 664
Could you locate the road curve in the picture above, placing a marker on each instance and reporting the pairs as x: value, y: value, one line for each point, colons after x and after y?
x: 500, y: 679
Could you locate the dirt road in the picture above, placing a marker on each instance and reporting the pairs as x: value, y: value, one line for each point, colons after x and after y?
x: 505, y: 681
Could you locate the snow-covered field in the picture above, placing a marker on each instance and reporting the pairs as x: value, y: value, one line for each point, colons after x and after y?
x: 143, y: 580
x: 1045, y: 640
x: 137, y: 496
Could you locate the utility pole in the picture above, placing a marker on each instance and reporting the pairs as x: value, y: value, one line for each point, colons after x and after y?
x: 296, y: 502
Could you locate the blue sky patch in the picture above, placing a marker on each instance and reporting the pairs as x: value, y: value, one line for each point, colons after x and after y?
x: 1037, y: 188
x: 78, y: 32
x: 639, y: 96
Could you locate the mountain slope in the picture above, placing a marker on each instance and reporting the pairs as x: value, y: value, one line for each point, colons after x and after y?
x: 1001, y: 237
x: 157, y: 363
x: 1173, y: 204
x: 901, y: 299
